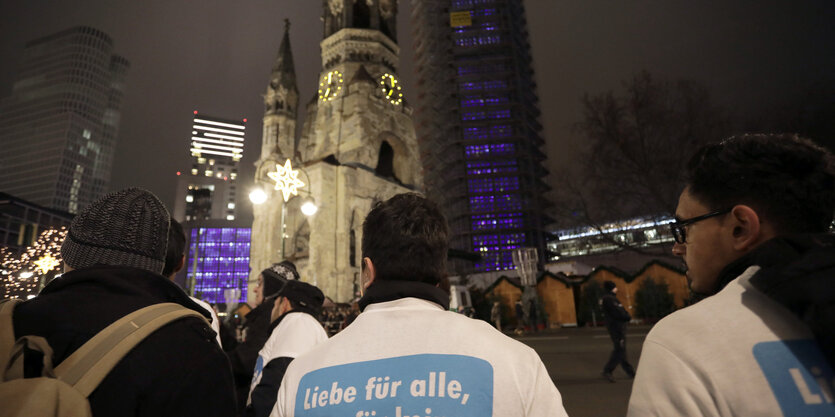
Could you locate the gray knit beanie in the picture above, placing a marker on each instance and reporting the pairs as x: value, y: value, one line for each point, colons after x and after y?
x: 124, y: 228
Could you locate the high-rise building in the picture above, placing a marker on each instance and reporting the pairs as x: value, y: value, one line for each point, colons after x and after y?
x: 59, y: 125
x: 476, y: 120
x: 208, y: 190
x: 217, y: 242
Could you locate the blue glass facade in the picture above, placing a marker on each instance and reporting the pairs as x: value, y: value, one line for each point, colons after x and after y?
x: 222, y: 261
x: 478, y: 127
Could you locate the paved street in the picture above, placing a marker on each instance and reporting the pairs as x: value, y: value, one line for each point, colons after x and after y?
x: 575, y: 358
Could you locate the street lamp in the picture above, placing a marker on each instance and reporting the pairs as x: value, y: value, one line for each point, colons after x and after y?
x: 258, y: 196
x: 287, y: 181
x: 309, y: 207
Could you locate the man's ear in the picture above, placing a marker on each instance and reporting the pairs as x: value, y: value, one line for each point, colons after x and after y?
x: 180, y: 264
x: 747, y: 230
x: 369, y: 272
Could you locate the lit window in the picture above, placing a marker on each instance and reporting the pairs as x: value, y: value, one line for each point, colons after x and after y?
x: 208, y: 173
x: 201, y: 160
x: 189, y: 198
x: 86, y: 134
x: 194, y: 171
x: 230, y: 206
x: 230, y: 217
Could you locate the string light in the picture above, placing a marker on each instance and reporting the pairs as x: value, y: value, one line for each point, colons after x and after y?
x: 21, y: 273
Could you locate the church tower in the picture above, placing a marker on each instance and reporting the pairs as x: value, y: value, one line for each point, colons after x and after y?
x: 281, y: 103
x: 357, y: 147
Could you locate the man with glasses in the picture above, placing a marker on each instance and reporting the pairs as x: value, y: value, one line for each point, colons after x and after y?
x: 752, y: 228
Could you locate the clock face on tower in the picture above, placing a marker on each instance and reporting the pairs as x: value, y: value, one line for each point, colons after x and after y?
x: 330, y: 86
x: 390, y: 86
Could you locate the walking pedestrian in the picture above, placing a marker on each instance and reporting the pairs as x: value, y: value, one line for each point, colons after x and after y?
x: 520, y: 317
x: 617, y: 319
x: 496, y: 315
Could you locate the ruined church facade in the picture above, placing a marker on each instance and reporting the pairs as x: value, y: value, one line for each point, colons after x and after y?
x: 357, y: 147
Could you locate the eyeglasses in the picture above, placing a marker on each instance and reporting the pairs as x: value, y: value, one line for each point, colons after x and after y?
x: 678, y: 227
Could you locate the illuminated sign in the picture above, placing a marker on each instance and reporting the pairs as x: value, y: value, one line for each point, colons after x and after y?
x: 213, y: 137
x: 458, y: 19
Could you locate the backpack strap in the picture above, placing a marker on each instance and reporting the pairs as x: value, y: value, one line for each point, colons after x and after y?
x: 7, y: 339
x: 36, y: 343
x: 91, y: 363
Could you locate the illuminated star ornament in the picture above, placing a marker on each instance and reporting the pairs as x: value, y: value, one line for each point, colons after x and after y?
x: 286, y: 180
x: 47, y: 263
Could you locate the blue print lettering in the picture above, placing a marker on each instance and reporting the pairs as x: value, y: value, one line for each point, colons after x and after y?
x: 333, y: 397
x: 409, y: 386
x: 799, y: 376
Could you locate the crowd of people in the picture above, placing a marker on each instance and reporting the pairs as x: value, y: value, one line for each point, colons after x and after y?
x: 752, y: 225
x: 338, y: 316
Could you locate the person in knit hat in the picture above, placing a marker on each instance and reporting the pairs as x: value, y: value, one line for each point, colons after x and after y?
x: 256, y: 327
x: 113, y: 257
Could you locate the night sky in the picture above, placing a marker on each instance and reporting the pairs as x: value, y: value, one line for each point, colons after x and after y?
x: 215, y: 57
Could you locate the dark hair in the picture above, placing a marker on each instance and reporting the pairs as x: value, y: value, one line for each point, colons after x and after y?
x: 176, y: 247
x: 406, y: 237
x: 788, y: 180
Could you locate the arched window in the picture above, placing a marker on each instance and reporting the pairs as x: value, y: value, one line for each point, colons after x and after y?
x: 301, y: 244
x: 352, y: 248
x: 362, y: 15
x: 352, y: 238
x: 385, y: 162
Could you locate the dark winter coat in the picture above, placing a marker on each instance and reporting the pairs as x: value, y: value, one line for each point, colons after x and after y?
x: 179, y: 370
x: 245, y: 354
x: 616, y: 316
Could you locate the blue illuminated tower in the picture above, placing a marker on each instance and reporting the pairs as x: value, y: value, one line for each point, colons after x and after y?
x: 477, y: 124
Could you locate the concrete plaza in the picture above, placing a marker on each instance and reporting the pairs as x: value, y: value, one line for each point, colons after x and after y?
x: 575, y: 357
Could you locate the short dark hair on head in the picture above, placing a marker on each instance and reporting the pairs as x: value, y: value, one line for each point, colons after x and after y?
x: 788, y: 180
x: 176, y: 247
x: 406, y: 237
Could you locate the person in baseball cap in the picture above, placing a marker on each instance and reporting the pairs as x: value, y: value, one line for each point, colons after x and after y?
x: 257, y: 328
x: 298, y: 296
x: 295, y: 330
